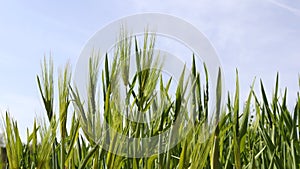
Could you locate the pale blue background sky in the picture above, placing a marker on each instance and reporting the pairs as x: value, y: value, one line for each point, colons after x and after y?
x: 259, y: 37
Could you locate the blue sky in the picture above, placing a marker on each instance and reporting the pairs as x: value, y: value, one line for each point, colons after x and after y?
x: 259, y: 37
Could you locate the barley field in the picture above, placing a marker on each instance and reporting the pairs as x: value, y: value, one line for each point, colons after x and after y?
x: 258, y: 132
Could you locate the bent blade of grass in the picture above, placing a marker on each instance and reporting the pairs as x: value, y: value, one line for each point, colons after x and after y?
x: 88, y: 157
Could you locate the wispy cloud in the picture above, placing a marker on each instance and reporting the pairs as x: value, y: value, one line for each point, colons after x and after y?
x: 284, y: 5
